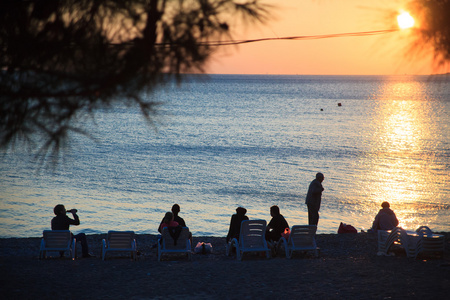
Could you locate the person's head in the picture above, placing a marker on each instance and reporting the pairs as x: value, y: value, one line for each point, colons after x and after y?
x: 320, y: 177
x: 241, y: 211
x: 385, y: 204
x: 175, y: 209
x: 274, y: 211
x: 59, y: 210
x: 168, y: 217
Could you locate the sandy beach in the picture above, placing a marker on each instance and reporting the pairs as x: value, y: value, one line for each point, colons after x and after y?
x: 348, y: 268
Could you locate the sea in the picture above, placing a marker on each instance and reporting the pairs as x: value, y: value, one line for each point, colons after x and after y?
x: 218, y: 142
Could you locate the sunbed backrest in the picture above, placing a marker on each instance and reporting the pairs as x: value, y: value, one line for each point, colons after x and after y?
x: 57, y: 238
x: 252, y: 233
x: 120, y: 239
x: 181, y: 241
x: 303, y: 236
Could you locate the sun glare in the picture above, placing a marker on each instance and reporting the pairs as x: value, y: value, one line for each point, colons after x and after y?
x: 405, y: 20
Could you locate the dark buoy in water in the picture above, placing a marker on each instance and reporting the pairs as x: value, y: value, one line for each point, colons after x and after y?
x: 321, y: 109
x: 339, y: 104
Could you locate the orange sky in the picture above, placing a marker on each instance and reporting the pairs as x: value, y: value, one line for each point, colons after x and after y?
x: 366, y: 55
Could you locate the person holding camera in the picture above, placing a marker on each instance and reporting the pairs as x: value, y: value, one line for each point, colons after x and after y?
x: 63, y: 222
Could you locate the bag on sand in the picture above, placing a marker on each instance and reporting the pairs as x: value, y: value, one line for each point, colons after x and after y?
x: 203, y: 248
x: 346, y: 228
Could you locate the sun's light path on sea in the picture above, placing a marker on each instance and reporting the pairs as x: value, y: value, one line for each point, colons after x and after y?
x: 402, y: 166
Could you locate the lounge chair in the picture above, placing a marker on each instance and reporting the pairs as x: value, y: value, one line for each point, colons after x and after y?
x: 301, y: 238
x: 409, y: 241
x: 57, y: 240
x: 252, y: 238
x: 429, y: 242
x: 387, y: 238
x: 166, y: 243
x: 424, y: 230
x: 119, y: 241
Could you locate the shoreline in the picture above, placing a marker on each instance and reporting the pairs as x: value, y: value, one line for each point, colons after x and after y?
x: 331, y: 244
x: 347, y: 268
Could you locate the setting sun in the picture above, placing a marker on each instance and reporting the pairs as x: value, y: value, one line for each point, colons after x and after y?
x: 405, y: 20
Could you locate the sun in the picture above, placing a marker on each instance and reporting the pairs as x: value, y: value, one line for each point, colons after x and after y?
x: 405, y: 20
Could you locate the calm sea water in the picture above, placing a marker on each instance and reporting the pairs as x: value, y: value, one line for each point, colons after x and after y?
x: 252, y: 141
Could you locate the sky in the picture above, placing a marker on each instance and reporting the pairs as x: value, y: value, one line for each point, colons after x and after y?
x: 387, y: 54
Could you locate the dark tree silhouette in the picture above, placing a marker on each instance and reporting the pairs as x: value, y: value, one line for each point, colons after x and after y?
x: 434, y: 28
x: 64, y: 59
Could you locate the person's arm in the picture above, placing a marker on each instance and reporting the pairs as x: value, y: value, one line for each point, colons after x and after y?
x: 270, y: 225
x: 375, y: 224
x: 76, y: 220
x: 162, y: 226
x: 159, y: 227
x: 180, y: 221
x: 317, y: 188
x: 286, y: 225
x: 395, y: 220
x: 231, y: 228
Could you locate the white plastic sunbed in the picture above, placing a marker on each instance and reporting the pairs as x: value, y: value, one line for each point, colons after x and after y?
x: 57, y: 240
x: 301, y: 238
x: 166, y: 243
x: 119, y: 241
x: 252, y: 238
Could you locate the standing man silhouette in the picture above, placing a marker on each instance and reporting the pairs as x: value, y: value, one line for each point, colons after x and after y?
x: 313, y: 199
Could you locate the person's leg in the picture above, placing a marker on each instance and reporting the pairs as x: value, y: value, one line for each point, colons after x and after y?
x: 272, y: 240
x: 313, y: 215
x: 310, y: 215
x: 81, y: 237
x: 269, y: 236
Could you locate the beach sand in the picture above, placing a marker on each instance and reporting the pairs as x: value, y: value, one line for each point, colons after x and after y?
x: 348, y: 268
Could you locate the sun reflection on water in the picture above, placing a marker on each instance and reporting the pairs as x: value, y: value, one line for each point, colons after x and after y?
x: 401, y: 166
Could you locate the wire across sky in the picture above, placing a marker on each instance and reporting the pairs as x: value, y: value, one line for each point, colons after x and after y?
x: 300, y: 37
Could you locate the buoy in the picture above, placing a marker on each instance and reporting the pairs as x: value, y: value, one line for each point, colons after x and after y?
x: 339, y: 104
x: 321, y: 109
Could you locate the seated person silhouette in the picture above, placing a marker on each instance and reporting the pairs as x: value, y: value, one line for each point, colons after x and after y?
x: 168, y: 221
x: 63, y: 222
x: 173, y: 227
x: 276, y: 226
x: 176, y: 218
x: 385, y: 219
x: 235, y: 223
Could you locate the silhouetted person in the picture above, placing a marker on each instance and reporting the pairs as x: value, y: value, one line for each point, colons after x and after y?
x: 168, y: 221
x: 235, y: 223
x: 314, y: 198
x: 176, y: 218
x: 276, y: 226
x: 385, y: 219
x: 63, y: 222
x: 172, y: 226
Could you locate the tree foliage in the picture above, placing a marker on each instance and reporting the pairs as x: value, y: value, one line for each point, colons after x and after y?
x: 61, y: 59
x: 434, y: 27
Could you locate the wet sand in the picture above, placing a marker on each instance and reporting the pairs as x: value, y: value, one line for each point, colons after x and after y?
x: 348, y: 268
